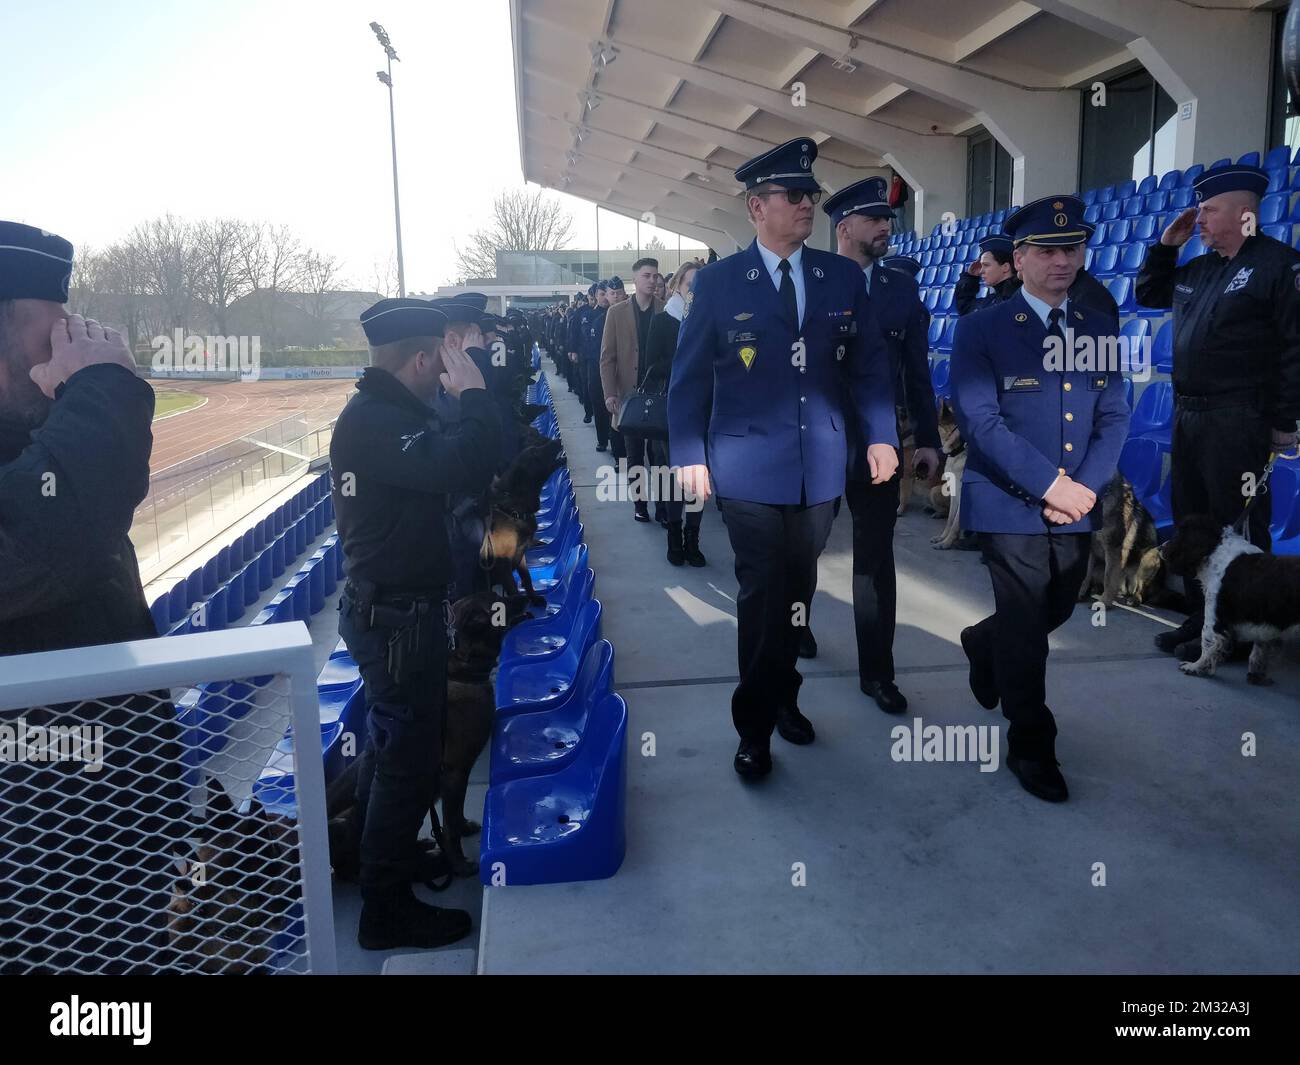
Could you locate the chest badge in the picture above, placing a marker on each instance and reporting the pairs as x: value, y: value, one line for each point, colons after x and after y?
x: 817, y: 273
x: 747, y: 354
x: 1022, y: 317
x: 839, y: 353
x: 753, y: 274
x: 1239, y: 282
x: 744, y: 316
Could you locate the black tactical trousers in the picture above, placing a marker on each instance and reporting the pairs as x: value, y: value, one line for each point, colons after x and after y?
x: 1213, y: 450
x: 875, y: 588
x: 595, y: 401
x: 399, y: 777
x: 1036, y: 581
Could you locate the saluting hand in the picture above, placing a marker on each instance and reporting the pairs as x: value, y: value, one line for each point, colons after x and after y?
x: 460, y: 372
x: 883, y: 460
x: 77, y: 343
x: 1179, y: 231
x: 975, y: 269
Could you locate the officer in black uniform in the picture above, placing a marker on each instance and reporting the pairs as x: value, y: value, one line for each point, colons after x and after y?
x: 85, y: 873
x: 995, y: 269
x: 862, y: 218
x: 1236, y: 358
x: 392, y: 466
x: 593, y: 330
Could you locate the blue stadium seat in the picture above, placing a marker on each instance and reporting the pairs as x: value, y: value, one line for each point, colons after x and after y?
x: 1155, y: 202
x: 1125, y: 189
x: 568, y: 825
x: 927, y: 276
x: 1181, y: 199
x: 1133, y: 257
x: 1170, y: 180
x: 1144, y: 229
x: 1087, y: 258
x: 945, y: 300
x: 1153, y: 415
x: 1092, y: 214
x: 1218, y: 163
x: 949, y: 331
x: 1283, y: 491
x: 1111, y: 211
x: 1104, y: 262
x: 1280, y: 232
x: 1121, y: 288
x: 1191, y: 250
x: 577, y: 620
x: 1147, y: 185
x: 1190, y: 175
x: 939, y: 376
x: 1162, y: 349
x: 1089, y: 197
x: 1140, y: 461
x: 526, y: 745
x: 1098, y: 237
x: 1135, y: 333
x: 1279, y: 180
x: 161, y: 613
x: 1273, y: 209
x: 1131, y: 206
x: 1117, y: 232
x: 1249, y: 159
x: 1277, y: 157
x: 936, y: 329
x: 1105, y: 195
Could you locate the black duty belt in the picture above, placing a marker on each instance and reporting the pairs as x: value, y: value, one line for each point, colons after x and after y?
x: 394, y: 594
x: 1237, y: 397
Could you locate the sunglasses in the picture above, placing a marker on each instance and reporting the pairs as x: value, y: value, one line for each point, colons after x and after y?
x: 794, y: 196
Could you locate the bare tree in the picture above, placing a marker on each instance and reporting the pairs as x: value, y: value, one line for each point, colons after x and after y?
x: 169, y: 266
x: 321, y: 276
x: 522, y: 220
x: 223, y: 278
x: 385, y: 279
x: 272, y: 261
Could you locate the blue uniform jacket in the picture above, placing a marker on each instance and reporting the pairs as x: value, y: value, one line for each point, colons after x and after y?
x: 576, y: 329
x: 769, y: 418
x: 896, y: 301
x: 1024, y: 424
x: 593, y: 329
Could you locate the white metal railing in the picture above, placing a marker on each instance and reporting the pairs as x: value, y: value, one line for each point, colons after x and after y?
x: 130, y: 840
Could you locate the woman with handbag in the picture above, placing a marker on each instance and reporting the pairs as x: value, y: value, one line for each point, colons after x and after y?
x: 683, y: 536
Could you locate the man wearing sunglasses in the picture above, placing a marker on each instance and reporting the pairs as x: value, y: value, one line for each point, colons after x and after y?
x: 778, y: 350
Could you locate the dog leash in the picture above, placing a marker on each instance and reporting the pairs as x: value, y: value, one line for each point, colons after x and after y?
x: 1261, y: 488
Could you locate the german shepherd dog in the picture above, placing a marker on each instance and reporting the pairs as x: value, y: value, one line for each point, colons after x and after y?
x: 235, y: 890
x: 481, y: 622
x: 945, y: 497
x: 1125, y: 564
x: 513, y: 502
x: 1250, y: 595
x: 906, y: 475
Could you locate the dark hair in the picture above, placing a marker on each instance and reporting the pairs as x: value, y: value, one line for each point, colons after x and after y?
x: 645, y: 262
x: 1001, y: 257
x: 392, y: 357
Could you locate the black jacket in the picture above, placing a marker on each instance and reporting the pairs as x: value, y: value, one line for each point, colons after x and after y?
x: 1086, y: 290
x: 660, y: 344
x: 1236, y: 321
x: 392, y: 464
x: 68, y: 493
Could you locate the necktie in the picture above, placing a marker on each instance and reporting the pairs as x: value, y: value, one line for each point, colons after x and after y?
x: 1054, y: 329
x: 787, y: 292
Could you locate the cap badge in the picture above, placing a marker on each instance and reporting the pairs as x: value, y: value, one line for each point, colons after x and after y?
x: 1061, y: 220
x: 803, y: 161
x: 1058, y: 206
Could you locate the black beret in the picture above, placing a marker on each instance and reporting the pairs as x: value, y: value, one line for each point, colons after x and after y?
x: 34, y: 264
x: 398, y: 319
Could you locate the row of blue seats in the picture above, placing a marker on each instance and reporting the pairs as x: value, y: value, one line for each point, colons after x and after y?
x: 1134, y: 333
x: 217, y: 593
x: 556, y: 804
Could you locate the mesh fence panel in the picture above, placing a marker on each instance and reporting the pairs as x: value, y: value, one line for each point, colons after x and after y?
x: 132, y: 838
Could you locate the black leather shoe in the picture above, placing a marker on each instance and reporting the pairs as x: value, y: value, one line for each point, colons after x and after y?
x: 640, y: 512
x: 982, y: 685
x: 404, y: 921
x: 886, y: 694
x: 794, y: 727
x: 807, y: 644
x: 586, y: 420
x: 1041, y: 778
x: 601, y: 447
x: 753, y: 759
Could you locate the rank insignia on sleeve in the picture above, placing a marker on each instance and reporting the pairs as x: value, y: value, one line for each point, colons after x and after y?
x: 747, y: 356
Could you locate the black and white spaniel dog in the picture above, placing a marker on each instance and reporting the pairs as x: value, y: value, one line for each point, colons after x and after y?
x: 1249, y: 594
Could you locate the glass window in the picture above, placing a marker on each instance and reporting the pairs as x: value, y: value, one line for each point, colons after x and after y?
x: 1284, y: 122
x: 988, y: 175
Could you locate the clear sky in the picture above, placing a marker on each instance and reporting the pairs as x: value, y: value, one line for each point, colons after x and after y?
x: 116, y: 111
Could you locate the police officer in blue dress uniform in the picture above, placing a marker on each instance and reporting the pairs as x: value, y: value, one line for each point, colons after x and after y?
x: 778, y: 351
x: 575, y: 331
x: 589, y: 355
x: 902, y: 263
x: 995, y: 261
x: 862, y: 219
x: 1043, y: 443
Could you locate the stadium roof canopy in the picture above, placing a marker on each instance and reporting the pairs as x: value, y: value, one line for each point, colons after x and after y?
x: 649, y: 106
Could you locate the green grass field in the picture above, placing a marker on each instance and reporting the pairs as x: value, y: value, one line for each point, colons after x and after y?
x: 175, y: 402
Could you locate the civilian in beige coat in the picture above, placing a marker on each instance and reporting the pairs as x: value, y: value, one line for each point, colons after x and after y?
x: 621, y: 369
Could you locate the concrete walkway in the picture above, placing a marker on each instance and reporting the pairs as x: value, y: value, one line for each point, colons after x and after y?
x: 915, y: 866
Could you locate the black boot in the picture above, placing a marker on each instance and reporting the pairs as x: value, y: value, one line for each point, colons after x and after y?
x: 397, y: 918
x: 661, y: 514
x: 676, y: 550
x: 691, y: 541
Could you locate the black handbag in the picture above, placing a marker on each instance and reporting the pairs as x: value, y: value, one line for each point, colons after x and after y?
x: 644, y: 414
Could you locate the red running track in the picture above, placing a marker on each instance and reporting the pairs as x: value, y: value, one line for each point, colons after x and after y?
x: 235, y: 409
